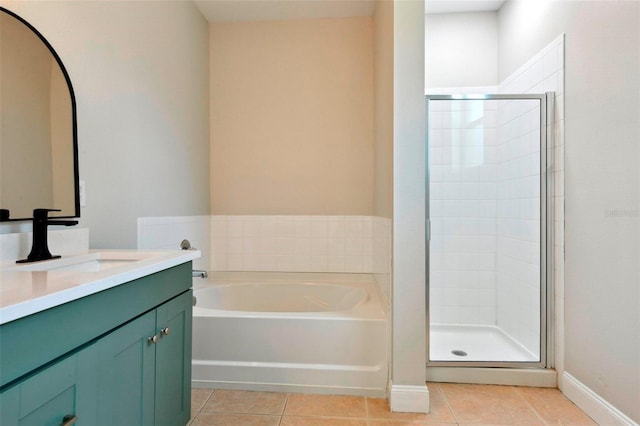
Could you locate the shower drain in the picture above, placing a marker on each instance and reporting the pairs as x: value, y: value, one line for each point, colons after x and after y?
x: 458, y: 352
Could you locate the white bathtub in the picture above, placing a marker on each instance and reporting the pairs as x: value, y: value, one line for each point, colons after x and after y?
x: 291, y: 332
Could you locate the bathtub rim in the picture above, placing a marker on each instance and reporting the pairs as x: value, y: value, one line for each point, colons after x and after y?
x: 373, y: 309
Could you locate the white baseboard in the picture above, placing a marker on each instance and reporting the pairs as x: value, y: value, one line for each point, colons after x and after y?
x: 409, y: 399
x: 593, y: 404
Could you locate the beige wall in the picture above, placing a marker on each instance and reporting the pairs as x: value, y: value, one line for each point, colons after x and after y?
x: 141, y: 79
x: 292, y: 117
x: 462, y: 49
x: 602, y: 182
x: 383, y: 139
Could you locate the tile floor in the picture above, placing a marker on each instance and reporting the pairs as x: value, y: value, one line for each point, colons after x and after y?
x: 451, y: 404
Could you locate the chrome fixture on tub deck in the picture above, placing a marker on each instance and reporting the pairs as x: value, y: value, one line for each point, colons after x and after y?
x: 186, y: 245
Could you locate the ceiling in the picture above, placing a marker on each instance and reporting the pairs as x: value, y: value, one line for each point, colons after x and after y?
x: 458, y: 6
x: 265, y: 10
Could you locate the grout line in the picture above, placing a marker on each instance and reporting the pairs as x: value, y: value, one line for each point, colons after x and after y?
x: 366, y: 408
x: 446, y: 401
x: 284, y: 408
x: 515, y: 389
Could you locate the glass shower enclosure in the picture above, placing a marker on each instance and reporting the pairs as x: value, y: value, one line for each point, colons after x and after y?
x: 488, y: 212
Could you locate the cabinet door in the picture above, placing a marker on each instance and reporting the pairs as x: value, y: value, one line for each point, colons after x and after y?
x: 173, y: 361
x: 126, y: 374
x: 60, y: 394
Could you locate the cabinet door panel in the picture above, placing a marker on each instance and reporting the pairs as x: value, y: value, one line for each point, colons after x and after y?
x: 126, y: 374
x: 173, y: 362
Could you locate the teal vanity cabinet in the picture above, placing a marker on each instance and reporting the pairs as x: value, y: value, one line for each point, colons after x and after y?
x: 144, y: 368
x: 57, y: 395
x: 118, y: 357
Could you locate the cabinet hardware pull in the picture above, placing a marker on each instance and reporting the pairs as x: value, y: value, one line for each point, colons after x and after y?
x: 165, y: 331
x: 69, y: 419
x: 153, y: 339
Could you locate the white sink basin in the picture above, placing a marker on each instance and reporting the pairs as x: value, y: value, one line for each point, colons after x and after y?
x: 90, y: 262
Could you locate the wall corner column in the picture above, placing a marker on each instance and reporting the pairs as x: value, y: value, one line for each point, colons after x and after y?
x: 409, y: 392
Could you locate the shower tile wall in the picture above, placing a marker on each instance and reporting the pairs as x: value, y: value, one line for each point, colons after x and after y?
x: 463, y: 171
x: 543, y: 73
x: 518, y: 236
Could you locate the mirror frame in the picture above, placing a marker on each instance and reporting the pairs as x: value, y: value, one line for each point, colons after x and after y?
x: 74, y: 124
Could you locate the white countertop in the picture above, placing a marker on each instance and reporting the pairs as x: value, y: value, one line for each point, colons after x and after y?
x: 24, y: 293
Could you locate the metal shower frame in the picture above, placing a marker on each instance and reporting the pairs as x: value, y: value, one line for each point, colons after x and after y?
x: 546, y: 231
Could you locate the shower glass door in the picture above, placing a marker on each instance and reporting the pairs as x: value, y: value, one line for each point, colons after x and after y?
x: 487, y: 213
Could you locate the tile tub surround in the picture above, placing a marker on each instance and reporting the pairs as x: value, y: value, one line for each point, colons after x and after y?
x: 271, y: 243
x: 356, y: 244
x: 451, y: 404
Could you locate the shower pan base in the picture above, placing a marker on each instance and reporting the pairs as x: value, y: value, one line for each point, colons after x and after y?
x: 482, y: 344
x: 475, y: 343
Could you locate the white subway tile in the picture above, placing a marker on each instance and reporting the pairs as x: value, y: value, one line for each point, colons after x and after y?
x: 218, y: 227
x: 251, y: 262
x: 251, y: 226
x: 250, y: 246
x: 451, y: 314
x: 235, y: 262
x: 285, y: 262
x: 353, y: 264
x: 367, y: 264
x: 286, y: 227
x: 303, y: 246
x: 303, y: 227
x: 468, y: 315
x: 319, y: 228
x: 286, y: 246
x: 336, y: 246
x: 336, y: 227
x: 268, y: 226
x: 336, y: 263
x: 319, y: 263
x: 301, y: 263
x: 218, y: 262
x: 235, y: 246
x: 353, y: 227
x: 235, y: 227
x: 268, y: 262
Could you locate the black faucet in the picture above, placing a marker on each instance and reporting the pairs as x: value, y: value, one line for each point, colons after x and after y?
x: 40, y: 246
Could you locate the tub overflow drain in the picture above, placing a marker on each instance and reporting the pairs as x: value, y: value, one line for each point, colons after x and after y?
x: 458, y: 352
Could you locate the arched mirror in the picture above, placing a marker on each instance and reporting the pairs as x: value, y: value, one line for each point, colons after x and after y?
x: 38, y: 134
